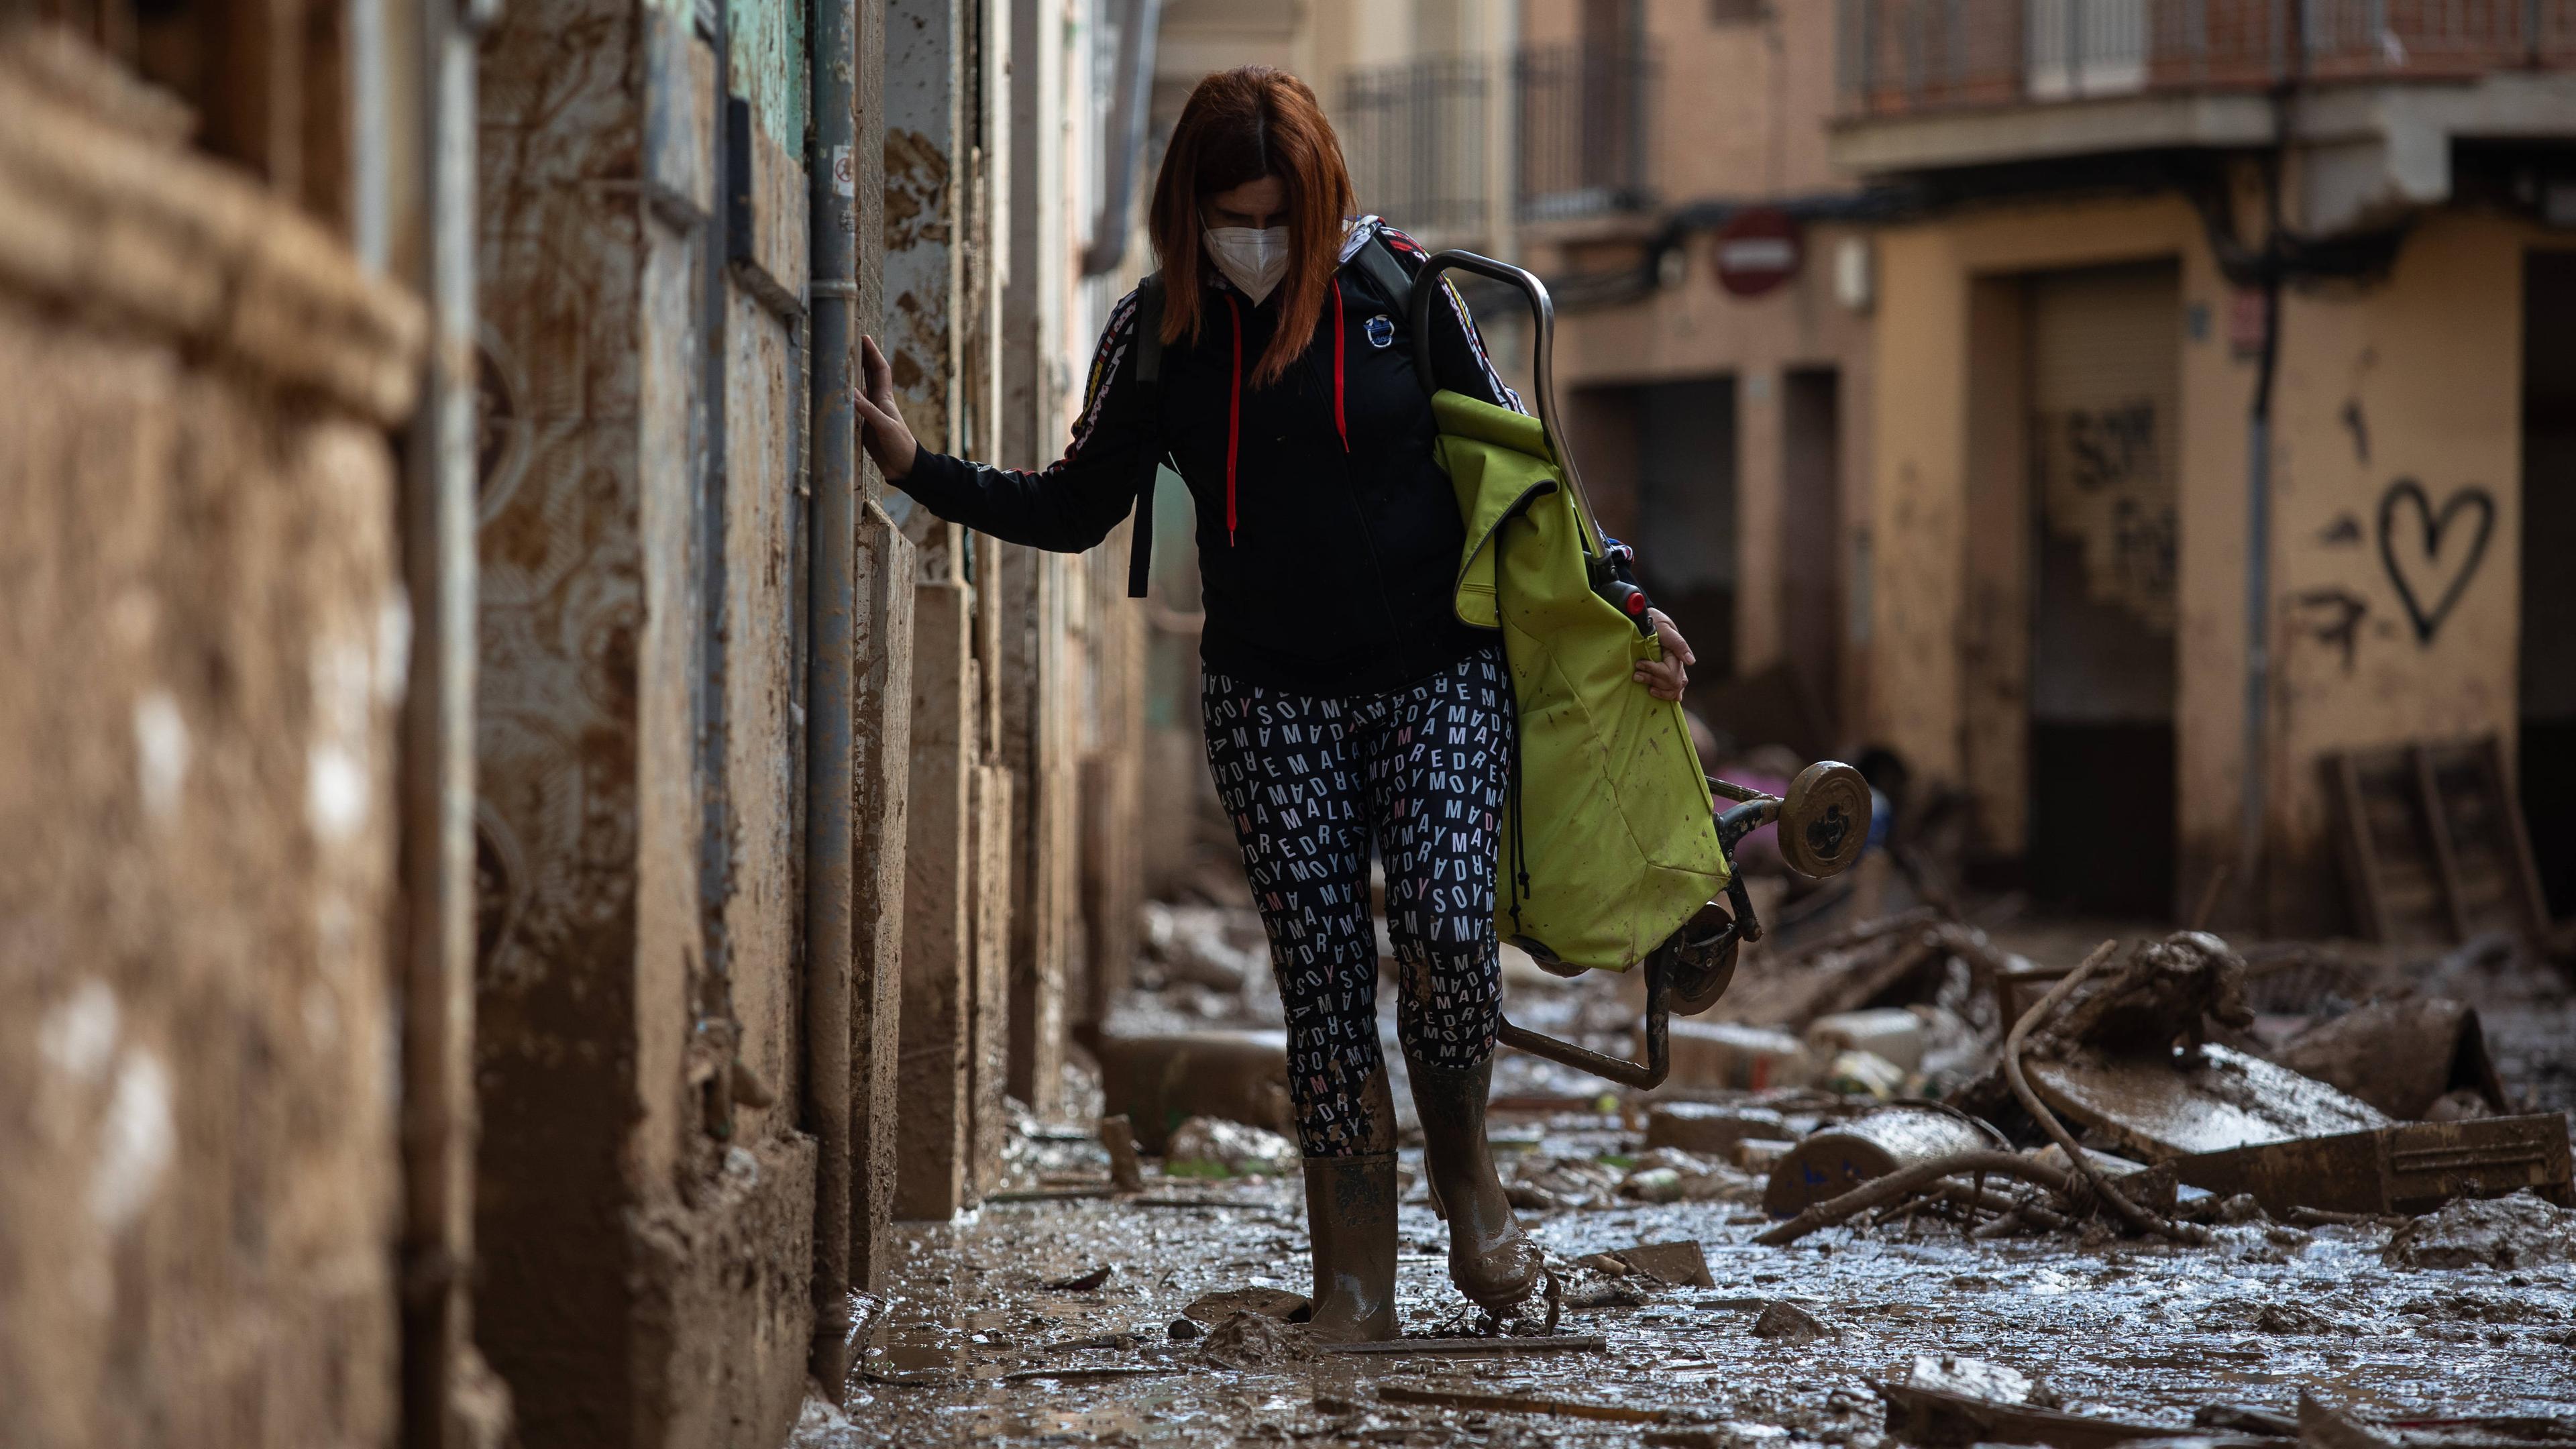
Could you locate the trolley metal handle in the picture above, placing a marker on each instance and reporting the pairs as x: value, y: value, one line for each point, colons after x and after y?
x: 1542, y: 357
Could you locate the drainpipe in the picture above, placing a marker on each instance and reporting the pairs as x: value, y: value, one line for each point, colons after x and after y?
x: 831, y: 166
x: 2258, y: 477
x: 1131, y: 98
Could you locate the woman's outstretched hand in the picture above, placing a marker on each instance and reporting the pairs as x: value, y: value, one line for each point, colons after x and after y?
x: 880, y: 420
x: 1664, y: 678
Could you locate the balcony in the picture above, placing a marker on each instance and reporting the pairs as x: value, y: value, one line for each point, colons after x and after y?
x: 2387, y: 85
x: 1415, y: 134
x: 1901, y: 57
x: 1584, y: 124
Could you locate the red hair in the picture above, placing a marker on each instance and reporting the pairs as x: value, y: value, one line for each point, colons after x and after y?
x: 1239, y: 126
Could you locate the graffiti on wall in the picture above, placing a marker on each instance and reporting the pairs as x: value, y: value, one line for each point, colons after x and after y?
x: 2332, y: 617
x: 2104, y: 482
x: 2429, y: 555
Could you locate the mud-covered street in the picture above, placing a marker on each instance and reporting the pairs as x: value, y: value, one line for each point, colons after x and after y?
x: 1072, y: 1313
x: 982, y: 1351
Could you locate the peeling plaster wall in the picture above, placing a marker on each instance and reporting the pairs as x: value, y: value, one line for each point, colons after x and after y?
x: 646, y: 1275
x: 2423, y: 364
x: 563, y: 636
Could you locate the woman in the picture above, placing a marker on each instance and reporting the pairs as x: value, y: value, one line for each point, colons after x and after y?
x: 1346, y: 706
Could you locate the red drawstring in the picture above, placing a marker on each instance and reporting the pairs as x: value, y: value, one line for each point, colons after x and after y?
x: 1339, y: 426
x: 1233, y: 416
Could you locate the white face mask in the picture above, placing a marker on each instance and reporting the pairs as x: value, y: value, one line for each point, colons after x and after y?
x: 1253, y: 258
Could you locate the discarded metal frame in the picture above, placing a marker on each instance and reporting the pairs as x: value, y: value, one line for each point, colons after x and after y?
x: 1696, y: 963
x: 2409, y: 1168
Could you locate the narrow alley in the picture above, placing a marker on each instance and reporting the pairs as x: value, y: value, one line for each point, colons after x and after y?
x: 1736, y: 723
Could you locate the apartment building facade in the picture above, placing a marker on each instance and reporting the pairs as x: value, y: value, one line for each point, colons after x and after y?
x: 2221, y: 350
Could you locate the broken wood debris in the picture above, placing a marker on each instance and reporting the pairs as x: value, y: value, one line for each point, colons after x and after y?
x: 1083, y: 1282
x: 1681, y: 1264
x: 1498, y: 1345
x: 1118, y: 1135
x: 1108, y: 1371
x: 1897, y: 1185
x: 2117, y: 1015
x: 1050, y: 1194
x: 2434, y: 843
x: 1933, y: 1418
x: 1520, y: 1404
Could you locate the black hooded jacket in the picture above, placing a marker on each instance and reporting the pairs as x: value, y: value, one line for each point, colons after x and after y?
x: 1328, y: 538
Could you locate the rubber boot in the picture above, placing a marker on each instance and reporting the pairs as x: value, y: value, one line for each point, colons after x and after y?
x: 1490, y: 1259
x: 1350, y: 1216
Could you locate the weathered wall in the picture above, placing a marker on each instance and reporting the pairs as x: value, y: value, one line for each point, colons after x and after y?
x: 646, y: 1214
x: 2414, y: 376
x: 2394, y: 623
x: 562, y: 624
x: 203, y: 632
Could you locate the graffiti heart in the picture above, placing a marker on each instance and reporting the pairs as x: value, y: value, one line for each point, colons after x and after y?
x: 2428, y: 556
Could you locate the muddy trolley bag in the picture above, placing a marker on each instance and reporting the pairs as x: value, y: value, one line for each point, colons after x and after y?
x: 1610, y: 843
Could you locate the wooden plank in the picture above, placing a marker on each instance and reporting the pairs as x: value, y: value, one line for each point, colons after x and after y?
x: 2437, y: 832
x: 2526, y: 871
x: 2363, y: 853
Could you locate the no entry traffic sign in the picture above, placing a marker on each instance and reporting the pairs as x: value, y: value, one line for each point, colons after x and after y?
x: 1758, y: 249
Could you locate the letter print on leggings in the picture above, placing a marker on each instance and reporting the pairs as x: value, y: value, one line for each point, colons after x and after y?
x: 1312, y: 784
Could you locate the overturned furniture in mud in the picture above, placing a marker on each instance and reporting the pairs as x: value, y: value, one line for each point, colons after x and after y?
x: 2122, y: 1049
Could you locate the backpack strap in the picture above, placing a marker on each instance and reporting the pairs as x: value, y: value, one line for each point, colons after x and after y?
x: 1149, y: 376
x: 1376, y: 261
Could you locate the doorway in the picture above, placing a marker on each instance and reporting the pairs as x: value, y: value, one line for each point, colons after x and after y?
x: 1686, y: 534
x: 1811, y: 525
x: 2105, y: 393
x: 2547, y: 666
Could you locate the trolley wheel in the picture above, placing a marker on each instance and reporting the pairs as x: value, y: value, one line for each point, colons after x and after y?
x: 1699, y: 960
x: 1824, y: 821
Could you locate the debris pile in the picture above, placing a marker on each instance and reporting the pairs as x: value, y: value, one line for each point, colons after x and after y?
x: 2187, y: 1115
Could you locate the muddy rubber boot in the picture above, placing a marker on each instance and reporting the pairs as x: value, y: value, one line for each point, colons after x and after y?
x: 1350, y: 1214
x: 1490, y: 1259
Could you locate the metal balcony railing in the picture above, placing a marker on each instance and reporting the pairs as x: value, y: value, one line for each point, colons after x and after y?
x: 1584, y: 121
x: 1414, y: 134
x: 1898, y: 56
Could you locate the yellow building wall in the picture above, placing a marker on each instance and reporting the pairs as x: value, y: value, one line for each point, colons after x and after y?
x: 2417, y: 381
x: 2423, y: 364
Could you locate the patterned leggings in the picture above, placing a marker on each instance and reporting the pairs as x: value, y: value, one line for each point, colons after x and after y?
x: 1312, y: 783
